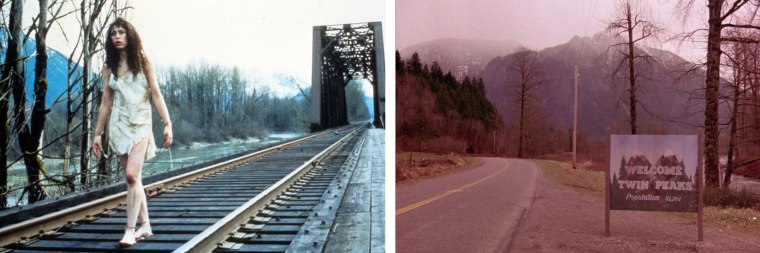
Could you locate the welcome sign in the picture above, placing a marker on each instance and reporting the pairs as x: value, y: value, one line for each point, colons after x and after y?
x: 654, y: 172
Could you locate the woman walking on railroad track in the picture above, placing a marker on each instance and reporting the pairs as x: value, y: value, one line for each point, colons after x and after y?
x: 128, y: 80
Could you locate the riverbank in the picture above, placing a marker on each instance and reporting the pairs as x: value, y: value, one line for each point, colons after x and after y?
x: 165, y: 160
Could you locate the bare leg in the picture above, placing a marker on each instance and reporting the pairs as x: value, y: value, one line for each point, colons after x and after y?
x: 129, y: 232
x: 145, y: 229
x: 135, y: 191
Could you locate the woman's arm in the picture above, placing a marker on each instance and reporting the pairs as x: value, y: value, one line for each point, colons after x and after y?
x: 158, y: 101
x: 106, y: 102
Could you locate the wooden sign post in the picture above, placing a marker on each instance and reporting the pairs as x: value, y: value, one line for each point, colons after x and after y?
x: 654, y: 173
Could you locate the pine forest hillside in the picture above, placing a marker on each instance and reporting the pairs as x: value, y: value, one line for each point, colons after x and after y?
x: 438, y: 113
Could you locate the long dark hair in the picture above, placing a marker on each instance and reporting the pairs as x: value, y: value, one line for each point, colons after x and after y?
x: 135, y: 55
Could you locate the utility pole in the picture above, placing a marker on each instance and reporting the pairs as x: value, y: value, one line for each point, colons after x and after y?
x: 494, y: 143
x: 575, y: 120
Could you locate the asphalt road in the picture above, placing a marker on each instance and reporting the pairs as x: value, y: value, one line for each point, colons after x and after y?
x: 472, y: 210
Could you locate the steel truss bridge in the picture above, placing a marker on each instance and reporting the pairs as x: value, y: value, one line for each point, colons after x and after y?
x: 341, y: 52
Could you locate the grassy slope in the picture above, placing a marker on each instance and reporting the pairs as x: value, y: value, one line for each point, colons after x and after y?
x: 743, y: 221
x: 412, y: 166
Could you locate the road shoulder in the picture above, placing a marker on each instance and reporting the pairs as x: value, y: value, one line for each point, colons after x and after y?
x: 563, y: 219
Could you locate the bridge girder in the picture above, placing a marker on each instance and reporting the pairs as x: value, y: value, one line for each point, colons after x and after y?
x: 341, y: 52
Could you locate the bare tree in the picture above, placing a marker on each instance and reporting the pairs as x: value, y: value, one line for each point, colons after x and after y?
x: 73, y: 71
x: 738, y: 74
x: 94, y: 18
x: 89, y: 12
x: 30, y: 132
x: 633, y: 27
x: 749, y: 120
x: 722, y: 14
x: 529, y: 76
x: 748, y: 146
x: 743, y: 61
x: 12, y: 73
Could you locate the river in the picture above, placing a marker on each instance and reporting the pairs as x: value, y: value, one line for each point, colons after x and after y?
x: 164, y: 160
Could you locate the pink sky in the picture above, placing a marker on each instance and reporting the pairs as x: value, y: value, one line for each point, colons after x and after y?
x: 536, y: 23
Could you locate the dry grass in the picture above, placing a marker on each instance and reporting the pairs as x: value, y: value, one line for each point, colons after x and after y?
x: 744, y: 221
x: 412, y: 166
x: 587, y: 181
x: 739, y: 221
x: 732, y: 198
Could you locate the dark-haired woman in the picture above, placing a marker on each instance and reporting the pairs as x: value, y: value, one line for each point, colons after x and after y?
x: 128, y: 81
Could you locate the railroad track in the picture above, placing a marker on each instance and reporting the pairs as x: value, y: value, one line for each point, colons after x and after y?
x: 265, y: 201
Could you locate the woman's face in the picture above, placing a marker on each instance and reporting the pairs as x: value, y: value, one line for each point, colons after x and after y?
x: 119, y: 37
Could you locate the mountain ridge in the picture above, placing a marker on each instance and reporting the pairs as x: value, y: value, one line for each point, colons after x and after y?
x: 666, y: 99
x: 57, y: 70
x: 463, y: 57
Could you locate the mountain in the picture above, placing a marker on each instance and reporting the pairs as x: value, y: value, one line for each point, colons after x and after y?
x: 460, y: 56
x: 278, y: 84
x: 666, y: 94
x: 57, y: 71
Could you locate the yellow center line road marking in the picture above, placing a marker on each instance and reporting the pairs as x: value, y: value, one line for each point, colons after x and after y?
x: 449, y: 192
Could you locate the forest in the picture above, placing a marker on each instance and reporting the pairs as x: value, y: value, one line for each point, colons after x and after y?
x: 445, y: 115
x: 450, y: 115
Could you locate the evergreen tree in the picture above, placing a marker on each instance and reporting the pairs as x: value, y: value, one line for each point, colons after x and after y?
x: 415, y: 64
x: 400, y: 66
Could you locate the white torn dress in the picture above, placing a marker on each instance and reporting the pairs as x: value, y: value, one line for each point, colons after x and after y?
x: 131, y: 120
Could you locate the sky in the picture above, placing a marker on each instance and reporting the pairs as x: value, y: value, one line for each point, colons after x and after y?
x: 536, y: 24
x: 261, y: 37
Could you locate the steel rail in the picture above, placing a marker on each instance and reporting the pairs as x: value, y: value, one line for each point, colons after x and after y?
x: 37, y: 226
x: 207, y: 240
